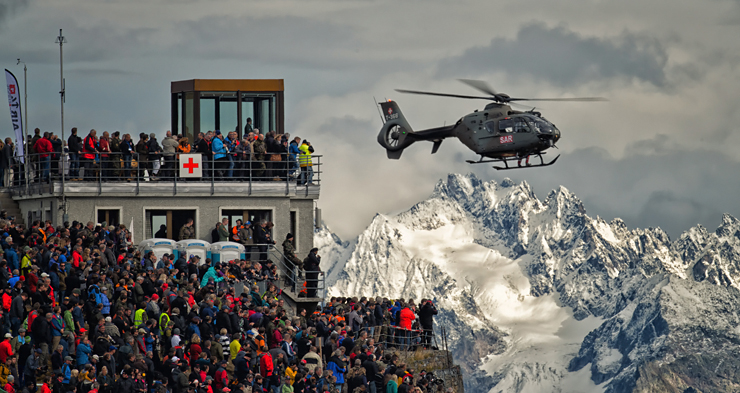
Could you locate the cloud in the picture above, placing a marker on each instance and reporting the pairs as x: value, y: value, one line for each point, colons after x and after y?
x: 9, y: 7
x: 564, y: 57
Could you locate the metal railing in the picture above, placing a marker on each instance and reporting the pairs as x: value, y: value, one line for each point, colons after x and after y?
x: 405, y: 339
x: 300, y: 283
x: 41, y: 173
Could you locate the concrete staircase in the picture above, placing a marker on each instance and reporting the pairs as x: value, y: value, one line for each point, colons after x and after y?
x: 9, y: 205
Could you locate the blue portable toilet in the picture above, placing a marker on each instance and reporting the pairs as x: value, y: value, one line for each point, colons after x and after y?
x: 195, y: 247
x: 158, y: 246
x: 226, y: 251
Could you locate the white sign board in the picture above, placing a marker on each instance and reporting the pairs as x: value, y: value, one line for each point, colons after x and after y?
x: 191, y: 165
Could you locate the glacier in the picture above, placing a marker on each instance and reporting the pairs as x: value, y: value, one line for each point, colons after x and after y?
x: 537, y: 296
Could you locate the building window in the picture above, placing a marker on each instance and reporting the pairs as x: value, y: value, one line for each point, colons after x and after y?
x: 110, y: 216
x: 167, y: 223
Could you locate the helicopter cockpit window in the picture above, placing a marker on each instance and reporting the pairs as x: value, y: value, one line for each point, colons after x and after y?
x: 541, y: 126
x: 506, y: 126
x: 490, y: 127
x: 521, y: 126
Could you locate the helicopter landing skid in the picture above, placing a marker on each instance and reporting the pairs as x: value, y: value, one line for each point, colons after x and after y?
x: 519, y: 166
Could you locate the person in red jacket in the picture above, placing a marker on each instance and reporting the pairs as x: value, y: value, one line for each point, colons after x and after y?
x: 6, y: 350
x: 405, y: 320
x: 43, y: 148
x: 266, y: 367
x: 7, y: 299
x: 105, y: 158
x: 89, y: 150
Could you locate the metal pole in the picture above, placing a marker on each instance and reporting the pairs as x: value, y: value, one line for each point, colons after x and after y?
x: 60, y: 40
x: 25, y: 133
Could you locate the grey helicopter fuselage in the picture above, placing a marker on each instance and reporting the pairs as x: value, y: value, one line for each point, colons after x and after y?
x: 498, y: 131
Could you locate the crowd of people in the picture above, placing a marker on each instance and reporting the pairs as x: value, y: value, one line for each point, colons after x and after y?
x: 83, y: 311
x: 255, y: 156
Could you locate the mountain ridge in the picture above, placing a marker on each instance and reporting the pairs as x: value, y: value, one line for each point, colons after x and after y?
x: 498, y: 260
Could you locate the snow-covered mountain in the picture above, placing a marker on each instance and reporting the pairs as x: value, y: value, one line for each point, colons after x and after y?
x: 536, y: 296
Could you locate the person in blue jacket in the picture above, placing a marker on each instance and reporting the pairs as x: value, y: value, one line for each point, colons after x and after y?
x: 83, y: 352
x: 293, y: 153
x: 220, y: 153
x: 11, y: 255
x: 338, y: 367
x: 67, y: 370
x: 210, y: 273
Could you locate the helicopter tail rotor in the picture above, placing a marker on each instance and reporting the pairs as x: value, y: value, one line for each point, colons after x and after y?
x: 394, y: 135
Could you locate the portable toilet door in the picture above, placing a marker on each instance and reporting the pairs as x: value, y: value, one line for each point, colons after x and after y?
x: 158, y: 246
x: 226, y: 251
x: 194, y: 247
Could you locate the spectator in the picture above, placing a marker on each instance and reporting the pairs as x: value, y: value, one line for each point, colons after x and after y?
x: 142, y: 155
x: 311, y: 266
x: 89, y: 154
x: 127, y: 151
x: 306, y: 163
x: 220, y: 155
x: 74, y: 144
x: 44, y: 148
x: 154, y: 155
x: 169, y: 148
x: 187, y: 231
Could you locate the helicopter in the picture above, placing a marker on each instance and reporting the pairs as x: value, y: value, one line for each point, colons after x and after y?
x: 498, y: 133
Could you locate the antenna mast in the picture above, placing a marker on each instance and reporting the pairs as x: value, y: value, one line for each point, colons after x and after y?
x: 61, y: 41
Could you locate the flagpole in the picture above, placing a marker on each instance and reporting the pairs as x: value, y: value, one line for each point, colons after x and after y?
x: 25, y: 111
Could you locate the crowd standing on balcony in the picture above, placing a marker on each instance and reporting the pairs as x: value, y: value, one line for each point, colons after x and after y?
x: 254, y: 157
x: 83, y: 311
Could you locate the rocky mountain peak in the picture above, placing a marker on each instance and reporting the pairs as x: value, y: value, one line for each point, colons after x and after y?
x: 553, y: 299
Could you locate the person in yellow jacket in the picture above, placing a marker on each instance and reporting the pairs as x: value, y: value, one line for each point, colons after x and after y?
x: 140, y: 316
x: 235, y: 346
x: 306, y: 163
x: 26, y: 262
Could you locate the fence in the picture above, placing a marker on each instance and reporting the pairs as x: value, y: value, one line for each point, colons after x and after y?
x: 41, y: 173
x: 404, y: 339
x: 300, y: 283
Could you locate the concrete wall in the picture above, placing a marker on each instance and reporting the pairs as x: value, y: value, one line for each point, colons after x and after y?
x: 208, y: 212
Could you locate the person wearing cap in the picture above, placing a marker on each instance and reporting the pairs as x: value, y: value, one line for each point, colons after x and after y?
x: 6, y: 350
x: 18, y: 341
x: 33, y: 363
x: 221, y: 379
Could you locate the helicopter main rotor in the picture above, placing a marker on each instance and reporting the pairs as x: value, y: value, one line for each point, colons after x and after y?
x: 496, y: 97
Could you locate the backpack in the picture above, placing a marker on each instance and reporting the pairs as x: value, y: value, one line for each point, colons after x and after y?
x: 33, y: 241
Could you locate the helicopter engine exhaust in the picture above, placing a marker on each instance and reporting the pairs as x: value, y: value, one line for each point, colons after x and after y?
x: 395, y: 135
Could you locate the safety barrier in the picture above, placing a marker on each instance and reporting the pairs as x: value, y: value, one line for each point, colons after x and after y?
x: 42, y: 173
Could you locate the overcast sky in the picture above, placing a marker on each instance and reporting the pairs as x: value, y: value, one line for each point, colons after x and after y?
x: 662, y: 152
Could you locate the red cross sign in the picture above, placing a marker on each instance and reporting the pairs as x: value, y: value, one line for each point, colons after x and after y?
x: 191, y: 165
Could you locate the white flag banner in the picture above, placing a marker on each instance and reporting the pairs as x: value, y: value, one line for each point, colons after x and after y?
x: 131, y: 230
x: 14, y: 100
